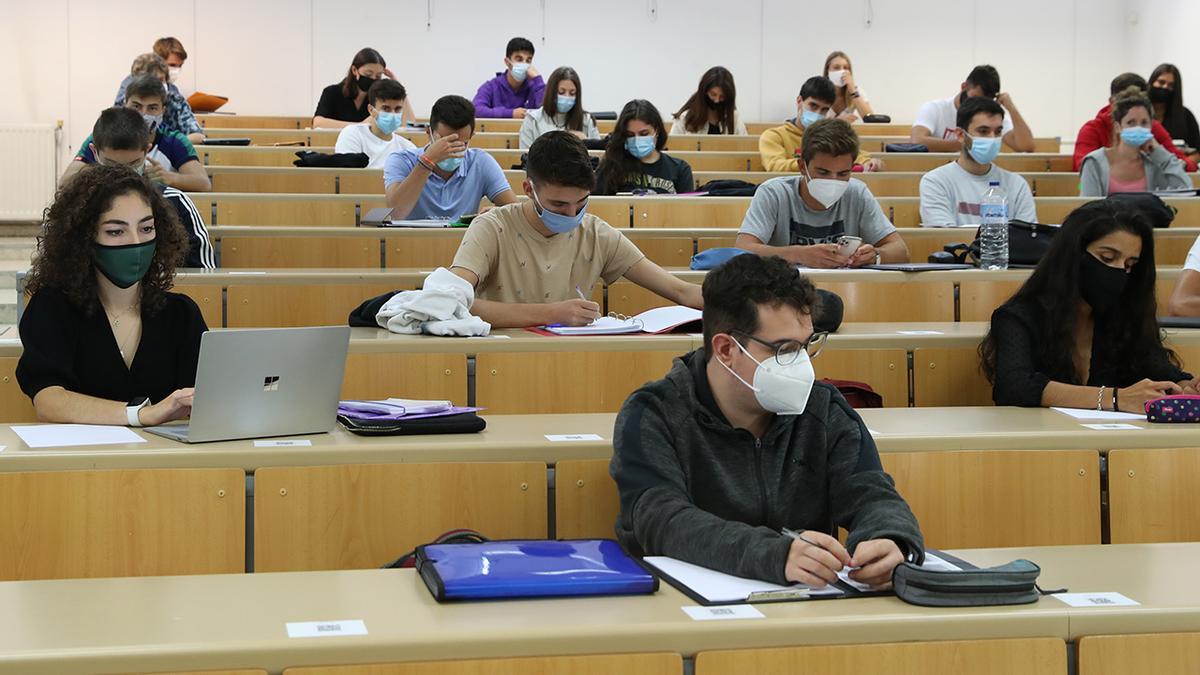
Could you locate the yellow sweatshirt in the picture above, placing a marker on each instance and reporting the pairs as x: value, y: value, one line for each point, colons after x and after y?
x: 780, y: 145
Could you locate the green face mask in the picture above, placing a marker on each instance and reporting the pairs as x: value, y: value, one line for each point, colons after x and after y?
x: 124, y: 265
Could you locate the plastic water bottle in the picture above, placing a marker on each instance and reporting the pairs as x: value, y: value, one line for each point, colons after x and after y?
x: 993, y: 228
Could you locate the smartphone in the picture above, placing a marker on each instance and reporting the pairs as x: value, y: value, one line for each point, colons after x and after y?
x: 847, y: 245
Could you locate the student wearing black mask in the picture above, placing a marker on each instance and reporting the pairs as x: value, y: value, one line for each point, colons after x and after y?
x: 345, y: 103
x: 1082, y: 331
x: 1166, y: 93
x: 712, y: 108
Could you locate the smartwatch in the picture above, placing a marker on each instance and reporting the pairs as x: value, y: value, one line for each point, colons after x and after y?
x: 135, y: 406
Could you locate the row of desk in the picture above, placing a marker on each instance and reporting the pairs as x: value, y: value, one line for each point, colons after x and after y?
x: 709, y: 160
x: 515, y: 372
x: 510, y: 140
x: 241, y: 621
x: 274, y: 246
x: 664, y: 211
x: 312, y: 180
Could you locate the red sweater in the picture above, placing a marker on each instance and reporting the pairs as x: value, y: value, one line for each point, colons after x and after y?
x: 1097, y: 133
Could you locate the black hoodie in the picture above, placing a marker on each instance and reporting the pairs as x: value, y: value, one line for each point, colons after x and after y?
x: 694, y: 488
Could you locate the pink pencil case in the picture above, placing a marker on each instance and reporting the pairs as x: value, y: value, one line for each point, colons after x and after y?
x: 1178, y: 408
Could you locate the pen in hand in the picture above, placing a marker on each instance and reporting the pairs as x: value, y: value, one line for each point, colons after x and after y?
x: 579, y: 292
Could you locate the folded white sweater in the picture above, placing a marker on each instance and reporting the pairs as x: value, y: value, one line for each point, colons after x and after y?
x: 441, y: 307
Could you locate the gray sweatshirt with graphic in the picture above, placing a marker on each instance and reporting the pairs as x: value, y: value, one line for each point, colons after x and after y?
x: 694, y: 488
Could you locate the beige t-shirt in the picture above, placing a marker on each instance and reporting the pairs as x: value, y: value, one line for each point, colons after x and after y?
x: 516, y: 263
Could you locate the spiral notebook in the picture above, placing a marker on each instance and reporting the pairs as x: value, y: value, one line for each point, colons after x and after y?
x: 652, y: 321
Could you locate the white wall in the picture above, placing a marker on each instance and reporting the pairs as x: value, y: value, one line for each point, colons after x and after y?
x: 62, y: 59
x: 1165, y: 31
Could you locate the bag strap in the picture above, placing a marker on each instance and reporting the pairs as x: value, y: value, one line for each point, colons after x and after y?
x: 459, y: 536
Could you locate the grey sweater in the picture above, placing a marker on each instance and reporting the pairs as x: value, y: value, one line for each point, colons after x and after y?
x: 694, y: 488
x: 1164, y: 171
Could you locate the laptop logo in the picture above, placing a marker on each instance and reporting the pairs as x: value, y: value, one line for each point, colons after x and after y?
x: 271, y: 383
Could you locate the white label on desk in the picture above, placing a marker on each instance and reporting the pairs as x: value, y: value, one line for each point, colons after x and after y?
x: 283, y: 444
x: 722, y: 613
x: 246, y: 273
x: 1108, y: 599
x: 574, y: 437
x: 919, y: 332
x: 1112, y: 426
x: 308, y: 629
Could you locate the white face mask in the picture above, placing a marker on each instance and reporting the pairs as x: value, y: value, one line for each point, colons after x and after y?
x: 783, y: 390
x: 825, y: 190
x: 837, y: 77
x: 173, y: 74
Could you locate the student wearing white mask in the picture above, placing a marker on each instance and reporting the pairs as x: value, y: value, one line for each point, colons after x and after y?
x: 562, y: 109
x: 950, y: 194
x: 740, y: 442
x: 851, y: 102
x: 803, y: 219
x: 530, y: 262
x: 377, y: 137
x: 1136, y: 162
x: 780, y: 145
x: 515, y: 90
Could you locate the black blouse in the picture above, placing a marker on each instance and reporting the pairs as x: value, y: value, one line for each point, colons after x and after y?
x: 62, y: 346
x: 335, y: 106
x: 1021, y: 377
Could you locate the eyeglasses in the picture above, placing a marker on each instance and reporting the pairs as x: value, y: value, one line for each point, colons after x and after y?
x: 787, y: 351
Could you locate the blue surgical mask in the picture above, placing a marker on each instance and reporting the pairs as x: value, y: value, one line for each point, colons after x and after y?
x: 152, y: 122
x: 807, y: 117
x: 388, y: 122
x: 984, y: 150
x: 640, y: 146
x: 450, y: 164
x: 557, y: 222
x: 519, y: 70
x: 1136, y: 136
x: 565, y: 103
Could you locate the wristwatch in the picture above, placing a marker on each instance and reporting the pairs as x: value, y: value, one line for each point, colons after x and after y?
x: 135, y: 406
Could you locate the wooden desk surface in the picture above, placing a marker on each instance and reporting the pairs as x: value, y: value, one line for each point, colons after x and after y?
x: 1159, y: 576
x: 507, y: 438
x: 523, y: 438
x: 225, y: 621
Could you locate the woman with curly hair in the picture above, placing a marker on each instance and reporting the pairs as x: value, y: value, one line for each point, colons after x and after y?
x: 102, y: 334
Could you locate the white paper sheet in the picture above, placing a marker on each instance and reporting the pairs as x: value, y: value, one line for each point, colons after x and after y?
x: 574, y: 437
x: 722, y: 613
x: 716, y: 586
x: 61, y: 435
x: 1105, y: 599
x: 1086, y: 414
x: 919, y: 332
x: 1113, y: 426
x: 310, y: 629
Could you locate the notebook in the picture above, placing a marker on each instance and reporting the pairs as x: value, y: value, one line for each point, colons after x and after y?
x: 382, y: 217
x: 710, y: 587
x: 531, y: 568
x: 653, y: 321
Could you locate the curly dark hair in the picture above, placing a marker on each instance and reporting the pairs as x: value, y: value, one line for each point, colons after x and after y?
x: 64, y: 259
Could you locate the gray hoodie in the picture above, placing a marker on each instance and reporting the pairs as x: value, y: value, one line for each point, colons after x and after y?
x: 694, y: 488
x: 1164, y: 171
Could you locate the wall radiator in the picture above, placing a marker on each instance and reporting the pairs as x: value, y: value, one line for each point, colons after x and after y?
x: 28, y: 170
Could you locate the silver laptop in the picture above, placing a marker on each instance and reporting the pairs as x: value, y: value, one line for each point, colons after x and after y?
x: 265, y: 382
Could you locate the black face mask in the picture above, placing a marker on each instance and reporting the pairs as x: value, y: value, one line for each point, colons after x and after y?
x: 364, y: 83
x: 1160, y: 95
x: 1100, y: 285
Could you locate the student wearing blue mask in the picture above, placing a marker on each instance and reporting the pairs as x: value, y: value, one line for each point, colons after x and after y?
x: 1136, y: 162
x: 634, y: 161
x: 531, y: 263
x: 562, y: 108
x: 445, y: 179
x: 950, y: 194
x: 780, y: 146
x: 377, y: 137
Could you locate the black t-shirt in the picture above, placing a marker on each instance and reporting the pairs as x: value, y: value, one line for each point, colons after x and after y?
x: 666, y: 176
x: 714, y: 129
x: 63, y: 346
x: 335, y: 106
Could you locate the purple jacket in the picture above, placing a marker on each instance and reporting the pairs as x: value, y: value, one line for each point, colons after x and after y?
x: 496, y: 99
